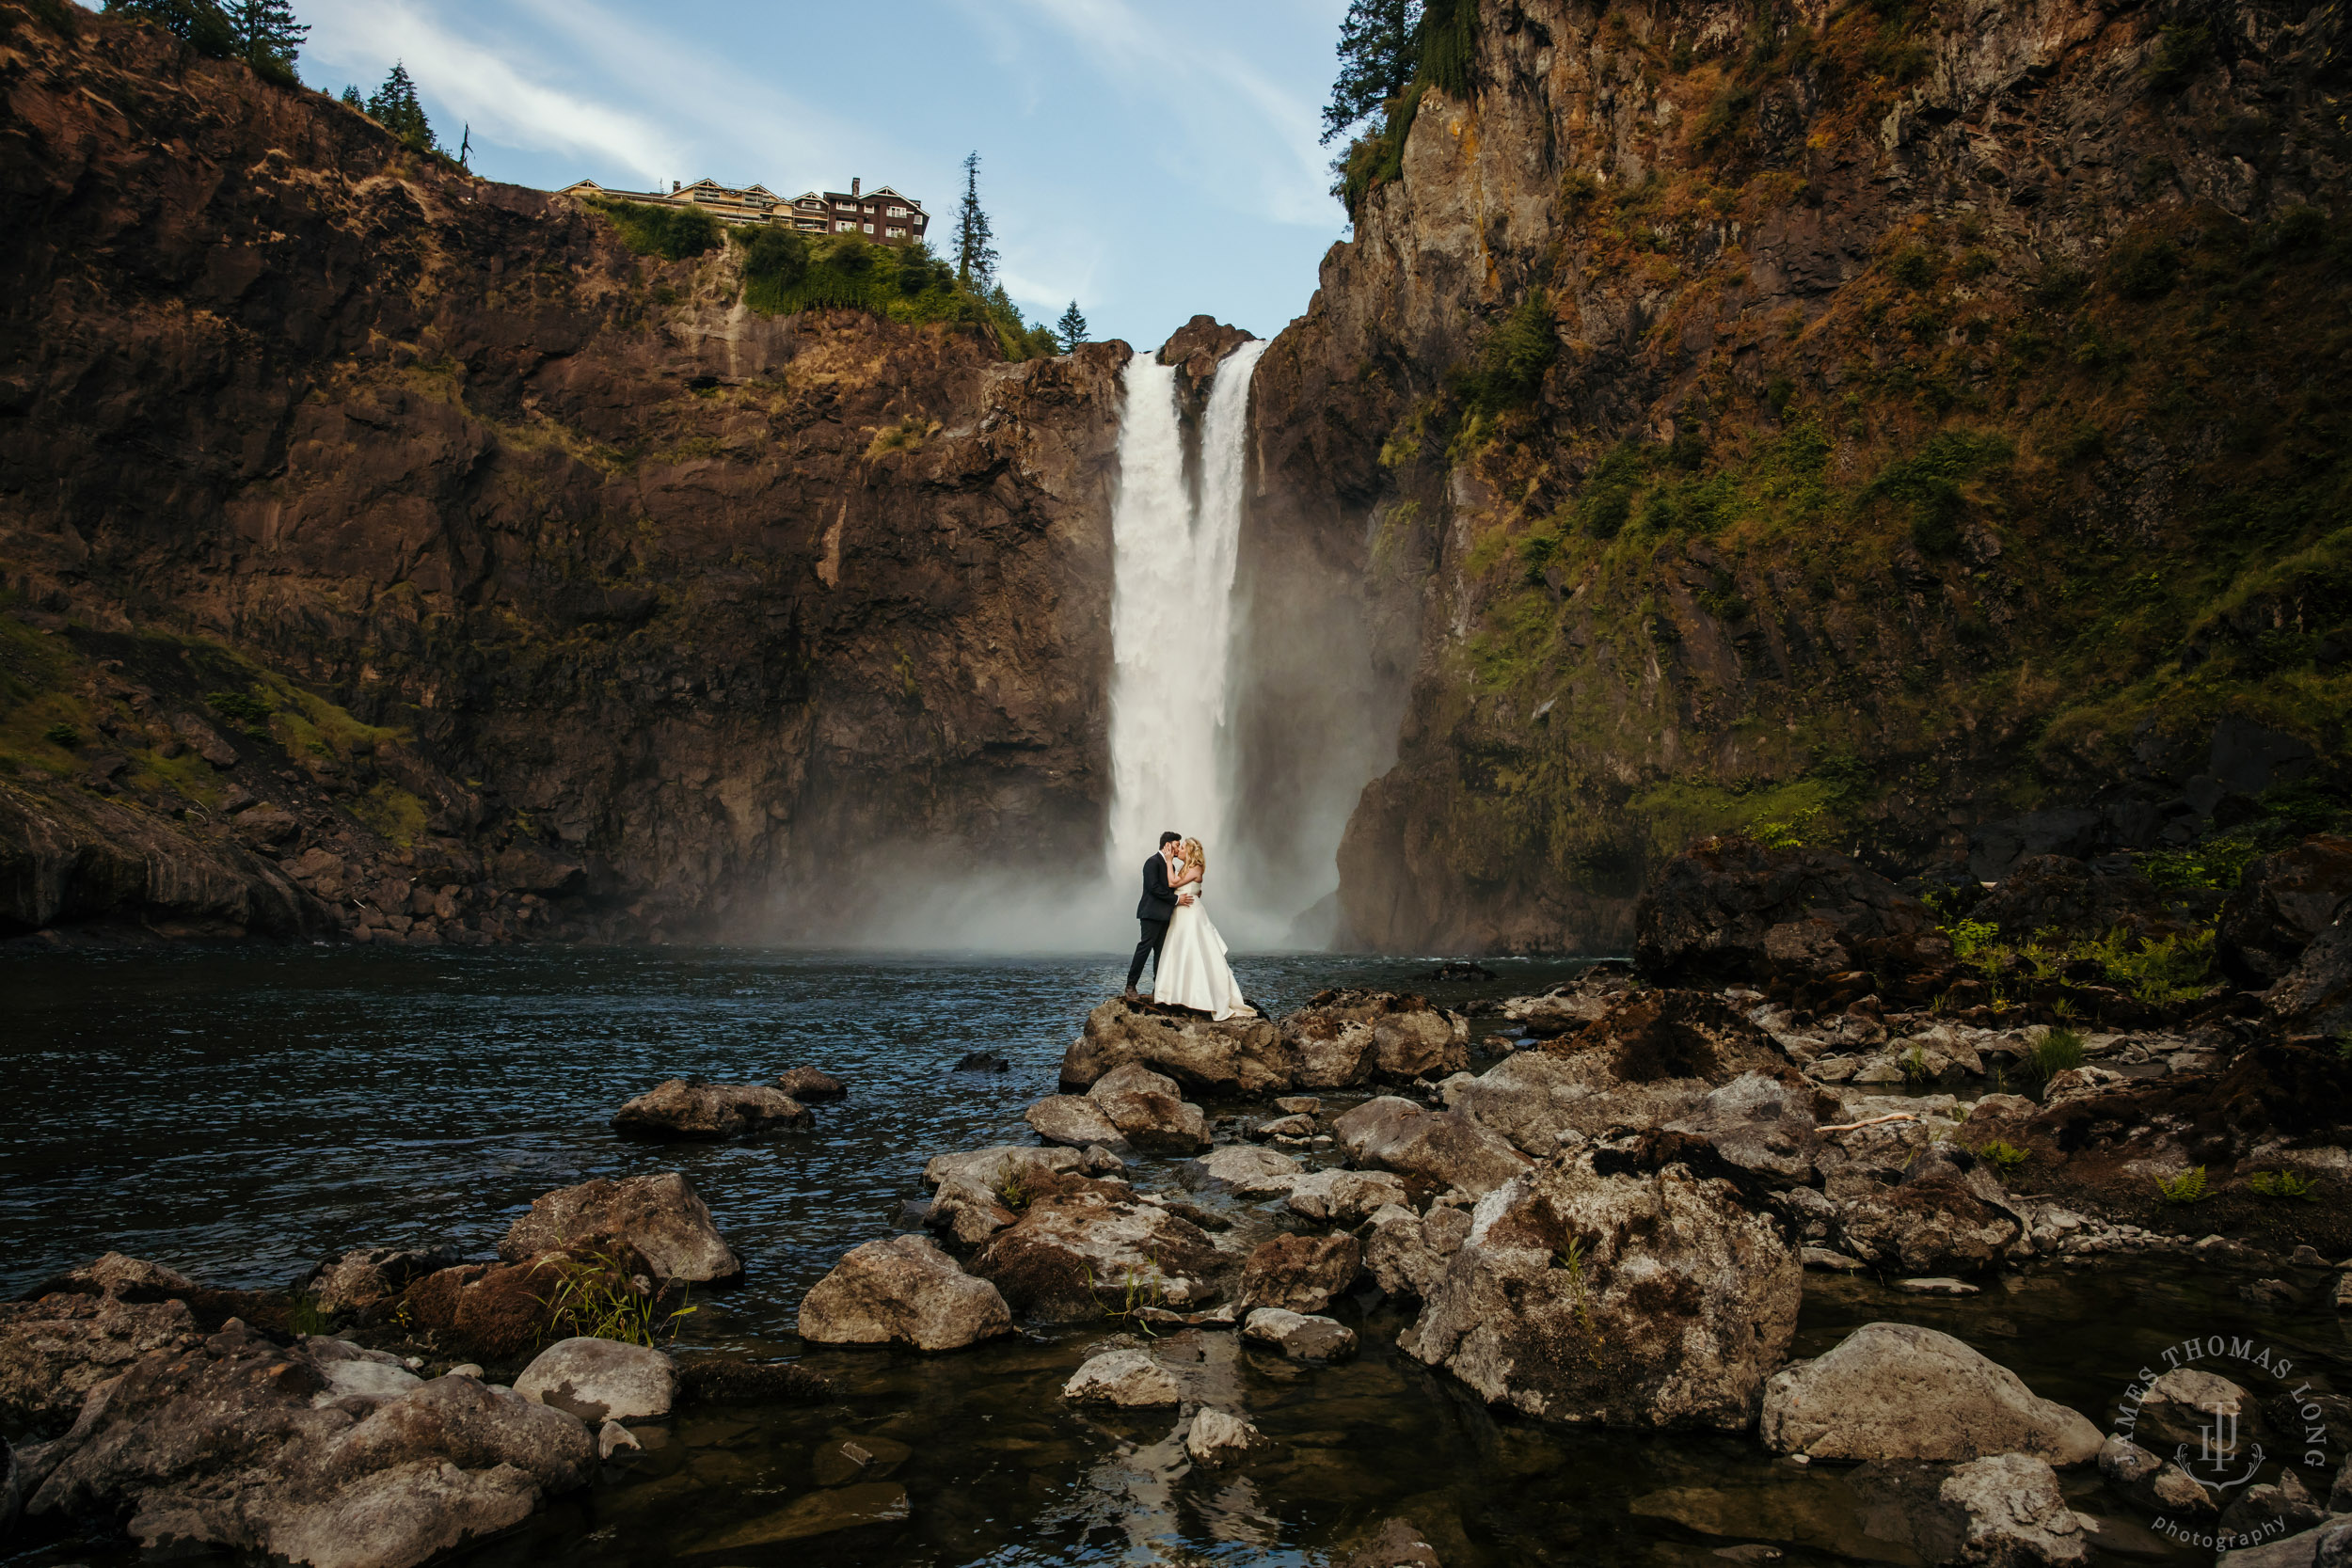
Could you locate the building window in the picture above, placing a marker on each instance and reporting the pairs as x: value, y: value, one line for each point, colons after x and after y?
x: 843, y: 227
x: 897, y: 211
x: 869, y: 228
x: 898, y: 233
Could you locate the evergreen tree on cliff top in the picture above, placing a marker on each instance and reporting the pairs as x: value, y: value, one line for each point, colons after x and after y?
x: 1379, y: 56
x: 262, y: 33
x: 199, y: 23
x: 395, y: 108
x: 976, y: 259
x: 1072, y: 329
x: 266, y: 30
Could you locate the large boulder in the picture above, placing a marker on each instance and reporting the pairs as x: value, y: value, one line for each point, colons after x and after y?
x: 1081, y: 1246
x: 601, y: 1380
x: 2059, y: 894
x: 1343, y: 1037
x: 367, y: 1277
x: 56, y: 1350
x: 498, y: 1311
x: 980, y: 1191
x: 1729, y: 911
x: 2004, y: 1511
x: 1241, y: 1055
x: 1442, y: 1149
x: 1146, y: 1109
x: 242, y: 1444
x: 1343, y: 1197
x: 656, y: 1217
x: 690, y: 1108
x: 2283, y: 902
x: 1075, y: 1121
x: 2316, y: 996
x: 902, y: 1291
x: 1944, y: 1214
x: 1630, y: 1298
x: 1899, y: 1391
x: 1305, y: 1274
x: 1406, y: 1254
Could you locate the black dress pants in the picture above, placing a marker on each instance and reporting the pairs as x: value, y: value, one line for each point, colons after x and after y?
x: 1154, y: 938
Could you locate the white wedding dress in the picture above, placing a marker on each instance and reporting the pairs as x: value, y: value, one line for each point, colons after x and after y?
x: 1192, y: 971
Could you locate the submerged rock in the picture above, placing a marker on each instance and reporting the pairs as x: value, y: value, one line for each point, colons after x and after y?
x: 1300, y: 1336
x: 1633, y: 1298
x: 1127, y: 1378
x: 980, y: 1061
x: 1441, y: 1148
x: 689, y: 1108
x: 806, y: 1084
x: 902, y: 1291
x: 1899, y: 1391
x: 601, y: 1380
x: 226, y: 1446
x: 658, y: 1217
x: 1302, y: 1273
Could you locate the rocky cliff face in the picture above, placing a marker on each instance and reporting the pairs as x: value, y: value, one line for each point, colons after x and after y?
x: 1915, y: 428
x: 383, y: 546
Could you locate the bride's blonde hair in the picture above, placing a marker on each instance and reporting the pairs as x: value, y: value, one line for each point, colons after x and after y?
x: 1194, y: 855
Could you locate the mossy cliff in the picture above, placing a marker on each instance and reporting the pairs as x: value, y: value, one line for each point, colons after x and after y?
x: 1917, y: 428
x: 499, y: 566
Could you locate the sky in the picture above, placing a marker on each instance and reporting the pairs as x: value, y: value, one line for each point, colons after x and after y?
x: 1150, y: 160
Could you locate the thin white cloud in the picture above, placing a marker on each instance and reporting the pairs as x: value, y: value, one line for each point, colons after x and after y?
x: 478, y: 85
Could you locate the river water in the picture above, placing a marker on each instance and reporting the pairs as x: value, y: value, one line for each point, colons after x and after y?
x: 241, y: 1115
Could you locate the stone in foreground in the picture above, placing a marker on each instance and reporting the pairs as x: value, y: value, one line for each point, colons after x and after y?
x: 1149, y: 1110
x: 1891, y: 1391
x: 1249, y: 1171
x: 2003, y: 1511
x: 1300, y: 1336
x: 601, y: 1380
x: 657, y: 1216
x: 1241, y: 1055
x: 1074, y: 1121
x: 902, y: 1291
x: 1651, y: 1299
x: 1127, y: 1378
x: 1082, y: 1246
x: 687, y: 1108
x: 806, y: 1084
x: 1440, y: 1147
x: 1218, y: 1437
x: 1302, y: 1273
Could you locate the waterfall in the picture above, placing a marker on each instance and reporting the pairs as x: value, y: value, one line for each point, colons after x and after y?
x: 1172, y: 614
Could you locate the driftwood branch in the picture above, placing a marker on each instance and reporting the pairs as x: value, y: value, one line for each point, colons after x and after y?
x: 1849, y: 1126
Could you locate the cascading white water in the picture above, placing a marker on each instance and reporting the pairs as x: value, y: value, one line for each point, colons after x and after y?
x: 1172, y: 612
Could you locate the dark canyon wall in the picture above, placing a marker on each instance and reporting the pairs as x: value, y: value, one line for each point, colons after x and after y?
x: 510, y: 581
x: 1914, y: 428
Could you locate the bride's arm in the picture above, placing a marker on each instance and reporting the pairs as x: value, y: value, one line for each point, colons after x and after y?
x: 1191, y: 874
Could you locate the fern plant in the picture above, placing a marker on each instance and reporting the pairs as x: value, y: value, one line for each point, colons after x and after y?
x: 2186, y: 1188
x: 2002, y: 1155
x: 2282, y: 1184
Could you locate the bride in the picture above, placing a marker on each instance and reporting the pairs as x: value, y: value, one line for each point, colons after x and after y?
x: 1192, y: 971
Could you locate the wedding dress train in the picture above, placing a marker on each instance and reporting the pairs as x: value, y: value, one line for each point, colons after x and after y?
x: 1192, y: 971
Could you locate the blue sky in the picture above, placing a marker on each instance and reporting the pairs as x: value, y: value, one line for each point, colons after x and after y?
x: 1149, y: 159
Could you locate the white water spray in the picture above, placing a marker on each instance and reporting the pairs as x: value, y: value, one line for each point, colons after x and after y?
x: 1172, y: 613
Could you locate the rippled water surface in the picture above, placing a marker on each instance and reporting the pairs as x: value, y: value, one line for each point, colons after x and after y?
x: 240, y: 1116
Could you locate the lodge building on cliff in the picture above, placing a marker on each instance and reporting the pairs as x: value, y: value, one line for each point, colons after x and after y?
x: 880, y: 216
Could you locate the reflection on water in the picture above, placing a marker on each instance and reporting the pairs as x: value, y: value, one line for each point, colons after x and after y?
x: 239, y: 1115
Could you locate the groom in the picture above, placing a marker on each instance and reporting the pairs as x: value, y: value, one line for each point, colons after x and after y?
x: 1157, y: 909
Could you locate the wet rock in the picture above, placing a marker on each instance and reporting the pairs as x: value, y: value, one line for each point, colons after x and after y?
x: 1301, y: 1336
x: 729, y: 1380
x: 902, y: 1291
x: 1219, y: 1437
x: 867, y: 1458
x: 1100, y: 1161
x: 1397, y: 1543
x: 2180, y: 1404
x: 365, y: 1276
x: 1442, y: 1147
x: 2151, y: 1481
x: 658, y: 1217
x: 1304, y: 1273
x: 601, y: 1380
x: 224, y: 1446
x: 1636, y: 1299
x: 806, y: 1083
x: 1241, y: 1055
x: 1946, y: 1214
x: 826, y: 1511
x: 1298, y: 1105
x: 56, y: 1350
x: 498, y: 1311
x: 975, y: 1189
x: 1729, y: 911
x: 613, y: 1437
x: 2316, y: 996
x: 1406, y: 1254
x: 980, y: 1061
x: 1898, y: 1392
x: 1250, y: 1172
x: 1083, y: 1245
x: 1343, y: 1197
x: 1343, y: 1038
x: 1127, y: 1378
x: 1073, y: 1121
x: 2004, y: 1511
x: 2279, y: 907
x: 1145, y: 1108
x: 123, y: 1277
x: 690, y: 1108
x: 2059, y: 893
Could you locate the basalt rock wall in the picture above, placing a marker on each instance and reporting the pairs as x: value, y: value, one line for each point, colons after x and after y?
x: 1912, y: 428
x: 523, y: 551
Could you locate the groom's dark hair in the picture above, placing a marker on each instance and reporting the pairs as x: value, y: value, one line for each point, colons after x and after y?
x: 1167, y: 839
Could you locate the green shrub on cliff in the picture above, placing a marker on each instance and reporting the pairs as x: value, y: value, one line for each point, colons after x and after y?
x: 673, y: 233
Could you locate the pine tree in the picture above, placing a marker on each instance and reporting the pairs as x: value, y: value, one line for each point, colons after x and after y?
x: 266, y: 30
x: 200, y: 24
x: 353, y: 100
x: 1072, y: 329
x: 395, y: 108
x: 1379, y: 54
x: 976, y: 259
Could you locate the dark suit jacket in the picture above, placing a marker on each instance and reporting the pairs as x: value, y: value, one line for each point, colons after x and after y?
x: 1158, y: 902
